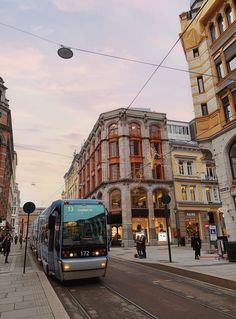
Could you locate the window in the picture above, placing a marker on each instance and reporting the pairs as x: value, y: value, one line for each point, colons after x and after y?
x: 181, y: 167
x: 200, y: 83
x: 114, y: 171
x: 154, y: 132
x: 113, y: 130
x: 135, y: 147
x: 220, y: 23
x: 190, y: 168
x: 229, y: 15
x: 157, y: 172
x: 208, y: 194
x: 232, y: 157
x: 192, y: 193
x: 139, y: 198
x: 184, y: 192
x: 227, y: 109
x: 210, y: 171
x: 157, y: 198
x: 230, y: 56
x: 212, y: 32
x: 155, y: 150
x: 114, y: 149
x: 134, y: 129
x: 195, y: 52
x: 136, y: 170
x: 219, y: 68
x: 215, y: 194
x: 115, y: 199
x: 204, y: 109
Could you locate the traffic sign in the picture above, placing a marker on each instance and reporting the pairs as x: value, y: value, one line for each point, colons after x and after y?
x: 166, y: 199
x: 29, y: 207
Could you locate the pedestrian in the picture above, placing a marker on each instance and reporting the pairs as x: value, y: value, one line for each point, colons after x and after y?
x: 196, y: 244
x: 7, y: 247
x: 143, y: 246
x: 16, y: 239
x: 138, y: 246
x: 20, y: 240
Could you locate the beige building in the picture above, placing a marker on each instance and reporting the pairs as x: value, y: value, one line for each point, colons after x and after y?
x: 209, y: 42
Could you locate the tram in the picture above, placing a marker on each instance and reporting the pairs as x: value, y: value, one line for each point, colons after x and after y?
x: 70, y: 239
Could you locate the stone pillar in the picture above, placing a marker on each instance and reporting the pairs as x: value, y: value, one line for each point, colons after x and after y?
x: 151, y: 217
x: 127, y: 240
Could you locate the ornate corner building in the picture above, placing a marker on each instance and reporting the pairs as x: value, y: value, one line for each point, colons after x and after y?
x: 209, y: 42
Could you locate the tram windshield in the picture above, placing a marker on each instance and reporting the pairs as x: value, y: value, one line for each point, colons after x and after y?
x: 84, y: 224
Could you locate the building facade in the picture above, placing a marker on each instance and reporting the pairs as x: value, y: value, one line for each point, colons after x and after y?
x: 209, y: 43
x: 7, y: 161
x: 196, y: 185
x: 126, y: 163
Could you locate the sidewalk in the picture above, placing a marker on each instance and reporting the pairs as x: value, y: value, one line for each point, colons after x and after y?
x: 209, y: 268
x: 28, y: 295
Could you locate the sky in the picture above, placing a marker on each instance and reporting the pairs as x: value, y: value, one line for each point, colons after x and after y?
x: 55, y: 102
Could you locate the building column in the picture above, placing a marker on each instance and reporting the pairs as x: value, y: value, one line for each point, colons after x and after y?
x: 151, y: 218
x: 127, y: 240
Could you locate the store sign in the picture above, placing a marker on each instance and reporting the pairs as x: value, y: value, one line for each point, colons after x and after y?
x: 162, y: 236
x: 190, y: 214
x: 212, y: 231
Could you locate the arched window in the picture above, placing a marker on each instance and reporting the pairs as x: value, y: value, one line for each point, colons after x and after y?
x: 220, y: 23
x: 134, y: 129
x: 155, y: 132
x: 115, y: 200
x: 232, y: 157
x: 157, y: 172
x: 113, y: 130
x: 212, y: 30
x: 157, y: 198
x: 229, y: 14
x: 139, y: 198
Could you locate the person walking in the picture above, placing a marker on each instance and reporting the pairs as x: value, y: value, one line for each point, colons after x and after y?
x: 143, y: 246
x: 7, y: 247
x: 20, y: 240
x: 196, y: 244
x: 16, y: 239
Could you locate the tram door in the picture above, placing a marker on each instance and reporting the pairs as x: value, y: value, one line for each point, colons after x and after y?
x: 54, y: 242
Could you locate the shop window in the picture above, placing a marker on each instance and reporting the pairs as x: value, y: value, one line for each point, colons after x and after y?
x: 200, y: 83
x: 139, y: 198
x: 115, y: 199
x: 204, y: 109
x: 157, y: 198
x: 232, y: 157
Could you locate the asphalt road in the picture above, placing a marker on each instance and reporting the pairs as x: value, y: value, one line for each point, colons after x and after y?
x: 132, y: 290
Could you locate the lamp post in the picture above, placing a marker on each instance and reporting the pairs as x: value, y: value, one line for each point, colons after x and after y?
x: 166, y: 200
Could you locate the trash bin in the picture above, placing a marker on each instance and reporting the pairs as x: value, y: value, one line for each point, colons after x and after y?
x: 231, y: 250
x: 182, y: 241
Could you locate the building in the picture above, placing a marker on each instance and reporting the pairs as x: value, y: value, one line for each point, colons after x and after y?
x: 15, y: 210
x: 126, y: 163
x: 8, y: 161
x: 196, y: 185
x: 209, y: 43
x: 23, y: 217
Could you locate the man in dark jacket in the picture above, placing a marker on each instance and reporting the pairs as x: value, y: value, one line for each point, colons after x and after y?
x: 196, y: 245
x: 7, y: 247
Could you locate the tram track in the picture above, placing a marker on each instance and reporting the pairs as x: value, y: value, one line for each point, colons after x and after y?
x: 89, y: 310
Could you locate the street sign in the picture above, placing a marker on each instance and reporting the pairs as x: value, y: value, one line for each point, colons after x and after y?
x: 29, y: 207
x: 213, y: 233
x: 166, y: 199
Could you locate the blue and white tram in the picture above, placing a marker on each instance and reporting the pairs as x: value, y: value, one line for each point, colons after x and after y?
x: 70, y: 238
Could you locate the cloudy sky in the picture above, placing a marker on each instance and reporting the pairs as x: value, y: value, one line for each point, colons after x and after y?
x: 56, y: 102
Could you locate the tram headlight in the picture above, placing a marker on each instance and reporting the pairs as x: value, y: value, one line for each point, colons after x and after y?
x: 97, y: 253
x: 103, y: 265
x: 66, y: 267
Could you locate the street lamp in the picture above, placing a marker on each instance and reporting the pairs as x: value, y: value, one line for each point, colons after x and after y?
x: 65, y: 53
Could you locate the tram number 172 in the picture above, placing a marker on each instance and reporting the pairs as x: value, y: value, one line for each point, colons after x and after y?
x: 84, y: 253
